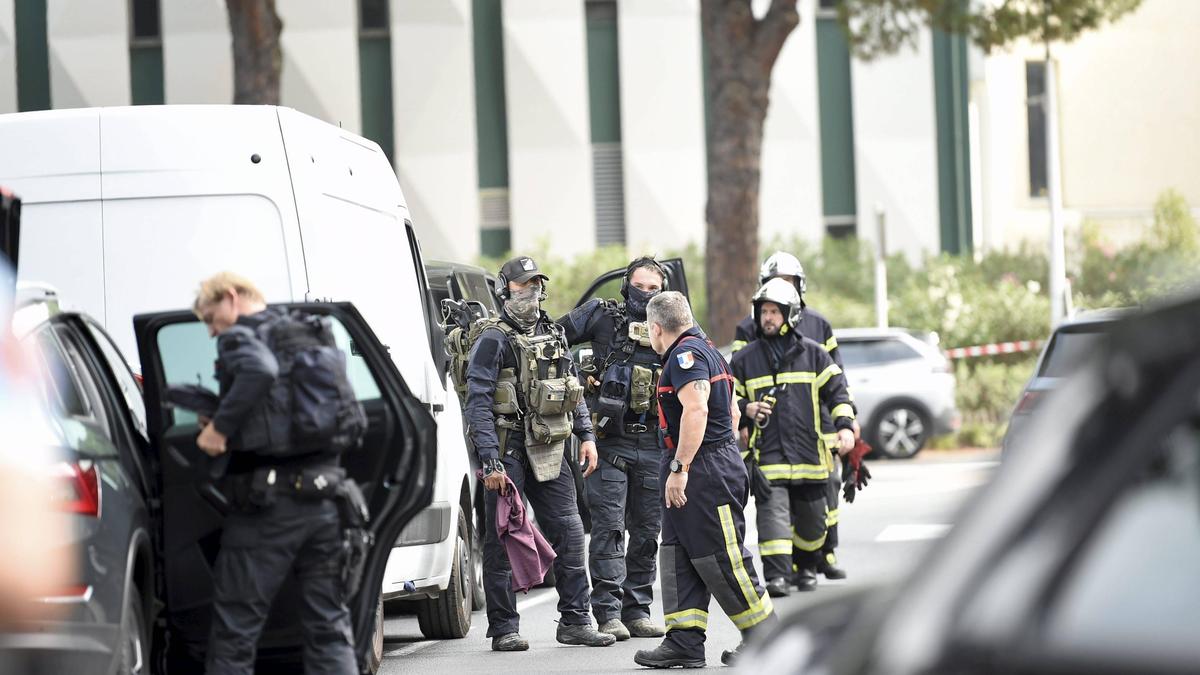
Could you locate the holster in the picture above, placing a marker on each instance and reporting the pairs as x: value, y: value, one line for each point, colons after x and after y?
x: 357, y: 538
x: 760, y: 487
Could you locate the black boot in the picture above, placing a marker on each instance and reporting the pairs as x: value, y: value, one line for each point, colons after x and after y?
x: 806, y: 579
x: 663, y: 656
x: 584, y: 635
x: 778, y: 588
x: 828, y: 567
x: 729, y: 657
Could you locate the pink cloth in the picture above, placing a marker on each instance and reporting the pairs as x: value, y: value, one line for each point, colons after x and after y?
x: 529, y: 554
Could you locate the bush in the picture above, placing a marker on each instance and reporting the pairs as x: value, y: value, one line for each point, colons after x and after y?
x: 987, y: 391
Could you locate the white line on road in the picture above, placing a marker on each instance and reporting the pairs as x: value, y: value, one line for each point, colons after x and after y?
x: 540, y: 597
x: 912, y: 532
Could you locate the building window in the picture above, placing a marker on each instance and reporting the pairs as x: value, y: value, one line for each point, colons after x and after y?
x: 33, y: 55
x: 953, y: 141
x: 836, y: 109
x: 604, y: 97
x: 1035, y: 114
x: 491, y: 128
x: 375, y: 74
x: 145, y: 52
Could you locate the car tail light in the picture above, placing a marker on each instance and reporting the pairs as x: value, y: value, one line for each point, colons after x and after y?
x: 78, y: 487
x: 1029, y: 401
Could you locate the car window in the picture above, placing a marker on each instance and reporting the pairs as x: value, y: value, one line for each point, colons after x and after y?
x: 475, y: 287
x: 130, y: 391
x: 59, y: 386
x: 189, y: 356
x: 875, y: 352
x: 1133, y: 595
x: 1067, y: 350
x: 72, y: 393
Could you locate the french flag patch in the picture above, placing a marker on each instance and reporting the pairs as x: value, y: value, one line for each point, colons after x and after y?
x: 686, y: 360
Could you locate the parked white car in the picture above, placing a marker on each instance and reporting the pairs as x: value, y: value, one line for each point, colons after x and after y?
x: 903, y: 386
x: 126, y: 209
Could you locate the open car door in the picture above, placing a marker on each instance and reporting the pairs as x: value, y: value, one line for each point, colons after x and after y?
x: 394, y: 466
x: 608, y: 285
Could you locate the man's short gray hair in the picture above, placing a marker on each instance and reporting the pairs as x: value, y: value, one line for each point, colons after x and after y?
x: 670, y: 310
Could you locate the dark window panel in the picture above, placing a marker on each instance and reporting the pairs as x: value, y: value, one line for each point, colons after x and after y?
x: 373, y: 14
x: 1035, y: 86
x: 147, y: 22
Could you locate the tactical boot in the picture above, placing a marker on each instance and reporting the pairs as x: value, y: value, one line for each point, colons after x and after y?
x: 584, y: 635
x: 778, y: 588
x: 663, y: 656
x: 509, y: 642
x: 806, y: 579
x: 729, y: 657
x: 615, y: 628
x: 645, y: 628
x: 828, y: 567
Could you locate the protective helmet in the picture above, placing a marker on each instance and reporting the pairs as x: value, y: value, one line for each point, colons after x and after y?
x: 783, y: 264
x: 783, y: 294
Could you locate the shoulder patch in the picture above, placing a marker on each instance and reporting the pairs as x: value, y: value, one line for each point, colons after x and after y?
x: 686, y: 360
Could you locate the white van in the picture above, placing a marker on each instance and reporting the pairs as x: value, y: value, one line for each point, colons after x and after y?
x: 126, y: 210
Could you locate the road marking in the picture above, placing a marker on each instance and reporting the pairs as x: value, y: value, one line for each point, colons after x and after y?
x: 912, y: 532
x: 543, y: 596
x: 411, y: 649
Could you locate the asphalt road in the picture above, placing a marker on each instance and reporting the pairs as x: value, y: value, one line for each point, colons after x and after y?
x: 883, y: 535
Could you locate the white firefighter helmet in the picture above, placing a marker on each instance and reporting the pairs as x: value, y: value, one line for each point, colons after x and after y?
x: 783, y: 294
x: 781, y: 264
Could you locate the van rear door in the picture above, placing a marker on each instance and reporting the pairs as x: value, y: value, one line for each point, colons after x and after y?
x: 395, y: 468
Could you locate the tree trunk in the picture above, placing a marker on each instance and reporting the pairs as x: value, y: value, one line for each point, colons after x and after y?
x: 257, y: 57
x: 741, y: 53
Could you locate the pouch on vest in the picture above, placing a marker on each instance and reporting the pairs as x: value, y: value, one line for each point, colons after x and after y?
x: 614, y: 392
x: 641, y: 392
x: 555, y: 397
x: 545, y: 444
x: 505, y: 400
x: 639, y: 333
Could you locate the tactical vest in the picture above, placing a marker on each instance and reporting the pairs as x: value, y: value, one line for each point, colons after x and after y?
x: 628, y: 375
x: 538, y: 396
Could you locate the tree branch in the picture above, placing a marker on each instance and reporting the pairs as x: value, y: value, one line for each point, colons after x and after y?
x: 772, y: 31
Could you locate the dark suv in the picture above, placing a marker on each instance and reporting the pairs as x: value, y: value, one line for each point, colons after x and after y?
x: 96, y: 408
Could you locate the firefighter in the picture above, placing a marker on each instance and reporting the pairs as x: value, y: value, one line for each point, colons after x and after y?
x: 782, y: 380
x: 704, y: 485
x: 814, y: 326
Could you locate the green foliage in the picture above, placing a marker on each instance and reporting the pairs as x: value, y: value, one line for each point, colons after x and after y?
x: 987, y: 392
x: 879, y: 27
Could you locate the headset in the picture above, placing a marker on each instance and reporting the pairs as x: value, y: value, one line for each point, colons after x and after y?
x: 644, y: 261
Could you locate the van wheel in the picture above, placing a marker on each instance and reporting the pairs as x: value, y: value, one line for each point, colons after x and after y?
x: 375, y: 660
x: 478, y: 597
x: 135, y: 654
x: 899, y: 431
x: 448, y: 616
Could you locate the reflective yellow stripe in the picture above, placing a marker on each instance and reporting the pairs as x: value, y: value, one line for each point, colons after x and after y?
x: 755, y: 615
x: 830, y: 439
x: 806, y: 545
x: 688, y: 618
x: 831, y: 518
x: 759, y: 608
x: 795, y: 471
x: 796, y: 377
x: 739, y: 388
x: 745, y: 454
x: 775, y: 547
x: 842, y: 410
x: 737, y: 344
x: 830, y: 344
x: 827, y: 374
x: 759, y: 382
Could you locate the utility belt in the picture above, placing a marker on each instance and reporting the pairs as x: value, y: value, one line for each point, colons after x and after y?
x: 260, y: 489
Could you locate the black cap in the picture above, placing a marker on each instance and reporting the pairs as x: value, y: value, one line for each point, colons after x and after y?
x: 521, y: 269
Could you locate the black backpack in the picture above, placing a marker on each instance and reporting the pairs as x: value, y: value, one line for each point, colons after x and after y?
x: 313, y: 388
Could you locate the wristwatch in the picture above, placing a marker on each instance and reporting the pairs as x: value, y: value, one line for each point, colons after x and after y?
x: 677, y: 466
x: 491, y: 466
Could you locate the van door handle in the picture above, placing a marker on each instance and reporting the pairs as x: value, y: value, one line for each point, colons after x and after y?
x: 437, y: 408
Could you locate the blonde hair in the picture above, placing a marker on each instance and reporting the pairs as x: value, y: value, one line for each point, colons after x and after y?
x: 215, y: 287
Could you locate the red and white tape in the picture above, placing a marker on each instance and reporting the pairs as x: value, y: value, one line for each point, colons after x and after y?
x: 993, y: 349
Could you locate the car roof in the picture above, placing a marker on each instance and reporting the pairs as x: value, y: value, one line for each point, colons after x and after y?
x: 876, y: 333
x: 1096, y: 316
x: 35, y: 304
x: 449, y: 267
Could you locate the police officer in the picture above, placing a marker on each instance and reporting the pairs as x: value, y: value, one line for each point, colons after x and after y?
x: 624, y: 495
x: 705, y: 487
x: 262, y: 540
x: 523, y: 400
x: 814, y: 326
x: 782, y: 380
